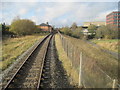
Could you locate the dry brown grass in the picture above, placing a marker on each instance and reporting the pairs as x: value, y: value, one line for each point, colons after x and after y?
x: 104, y: 60
x: 108, y: 44
x: 14, y: 47
x: 71, y: 71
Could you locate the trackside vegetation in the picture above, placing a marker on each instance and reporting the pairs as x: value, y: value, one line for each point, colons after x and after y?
x: 105, y: 61
x: 67, y: 64
x: 12, y: 48
x: 110, y: 44
x: 74, y: 33
x: 17, y: 38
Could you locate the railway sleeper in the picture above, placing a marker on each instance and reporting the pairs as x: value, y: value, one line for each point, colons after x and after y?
x: 36, y: 66
x: 32, y: 75
x: 34, y: 70
x: 29, y: 85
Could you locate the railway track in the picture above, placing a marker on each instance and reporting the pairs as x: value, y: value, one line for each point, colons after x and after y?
x: 53, y: 73
x: 27, y: 73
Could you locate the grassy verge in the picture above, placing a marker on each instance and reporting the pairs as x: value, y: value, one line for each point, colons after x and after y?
x: 71, y: 71
x: 93, y: 54
x: 108, y: 44
x: 14, y: 47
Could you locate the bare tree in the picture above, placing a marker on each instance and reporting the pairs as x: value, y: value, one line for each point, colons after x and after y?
x: 74, y: 26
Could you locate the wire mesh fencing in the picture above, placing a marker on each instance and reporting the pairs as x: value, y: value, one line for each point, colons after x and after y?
x: 90, y: 74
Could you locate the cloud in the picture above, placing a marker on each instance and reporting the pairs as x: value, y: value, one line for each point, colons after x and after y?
x: 23, y: 11
x: 35, y: 19
x: 58, y: 13
x: 83, y: 12
x: 60, y: 1
x: 57, y: 10
x: 20, y: 0
x: 102, y: 16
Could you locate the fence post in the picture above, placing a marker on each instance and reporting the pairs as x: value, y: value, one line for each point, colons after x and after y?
x: 70, y: 51
x: 64, y: 43
x: 67, y: 49
x: 80, y: 71
x: 113, y: 86
x: 71, y: 54
x: 74, y: 54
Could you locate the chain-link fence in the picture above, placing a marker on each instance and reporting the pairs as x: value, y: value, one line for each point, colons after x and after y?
x: 90, y: 75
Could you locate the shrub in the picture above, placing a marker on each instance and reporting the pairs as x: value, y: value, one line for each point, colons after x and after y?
x: 74, y: 26
x: 92, y: 29
x: 23, y: 27
x: 107, y: 32
x: 4, y: 29
x: 67, y: 31
x: 77, y: 33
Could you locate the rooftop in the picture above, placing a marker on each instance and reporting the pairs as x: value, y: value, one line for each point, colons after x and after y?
x: 113, y: 12
x: 43, y: 24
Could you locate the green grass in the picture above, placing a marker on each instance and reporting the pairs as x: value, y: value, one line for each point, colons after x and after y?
x: 71, y: 71
x: 14, y: 47
x: 105, y: 40
x: 111, y: 44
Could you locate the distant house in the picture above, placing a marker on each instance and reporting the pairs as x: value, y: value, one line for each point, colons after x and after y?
x: 86, y: 32
x: 45, y: 27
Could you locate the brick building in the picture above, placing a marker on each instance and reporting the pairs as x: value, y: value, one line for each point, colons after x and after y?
x: 45, y: 27
x: 113, y: 19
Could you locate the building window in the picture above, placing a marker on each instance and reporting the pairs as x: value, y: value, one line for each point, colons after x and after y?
x: 115, y: 16
x: 115, y: 20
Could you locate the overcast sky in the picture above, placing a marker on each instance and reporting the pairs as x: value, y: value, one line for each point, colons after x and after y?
x: 57, y: 12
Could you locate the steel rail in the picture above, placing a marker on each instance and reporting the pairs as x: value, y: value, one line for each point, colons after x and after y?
x: 38, y: 86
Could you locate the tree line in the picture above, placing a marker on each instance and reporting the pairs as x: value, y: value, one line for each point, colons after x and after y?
x: 20, y: 27
x: 73, y: 31
x: 101, y: 32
